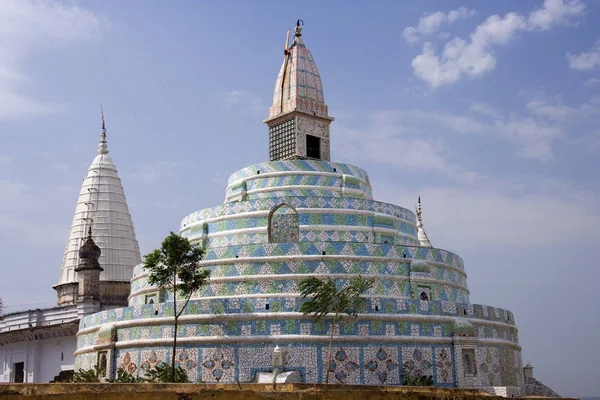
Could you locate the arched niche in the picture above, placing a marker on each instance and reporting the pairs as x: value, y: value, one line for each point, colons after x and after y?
x: 283, y: 224
x: 469, y: 365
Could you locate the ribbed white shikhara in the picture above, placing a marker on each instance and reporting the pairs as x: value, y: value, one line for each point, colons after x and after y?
x: 102, y: 204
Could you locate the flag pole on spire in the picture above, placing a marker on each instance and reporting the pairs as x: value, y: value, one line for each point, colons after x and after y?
x: 102, y: 147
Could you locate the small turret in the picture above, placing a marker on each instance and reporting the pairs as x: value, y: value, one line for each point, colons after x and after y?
x: 423, y: 239
x: 528, y: 371
x: 89, y: 269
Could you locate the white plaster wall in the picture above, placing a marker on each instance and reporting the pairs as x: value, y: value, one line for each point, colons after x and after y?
x: 13, y: 353
x: 49, y: 357
x: 42, y: 358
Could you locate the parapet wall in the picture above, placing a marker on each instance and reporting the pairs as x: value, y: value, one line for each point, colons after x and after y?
x: 231, y: 392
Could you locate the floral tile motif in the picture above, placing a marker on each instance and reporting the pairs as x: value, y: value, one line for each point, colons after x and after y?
x: 417, y: 361
x: 217, y: 365
x: 508, y: 368
x: 151, y: 358
x: 489, y: 367
x: 381, y: 366
x: 344, y: 366
x: 127, y: 364
x: 188, y: 360
x: 443, y: 363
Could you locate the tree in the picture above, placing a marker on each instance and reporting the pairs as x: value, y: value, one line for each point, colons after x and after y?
x: 327, y: 299
x: 1, y: 306
x: 174, y: 268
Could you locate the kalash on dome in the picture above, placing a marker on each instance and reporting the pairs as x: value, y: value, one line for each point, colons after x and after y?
x: 296, y: 216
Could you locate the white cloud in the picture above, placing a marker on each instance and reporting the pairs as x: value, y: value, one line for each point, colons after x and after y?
x: 498, y: 213
x: 533, y: 137
x: 34, y: 25
x: 592, y: 82
x: 424, y: 133
x: 430, y: 23
x: 485, y: 110
x: 555, y: 12
x: 475, y: 57
x: 591, y: 107
x: 552, y: 111
x: 151, y: 173
x: 586, y: 60
x: 245, y: 102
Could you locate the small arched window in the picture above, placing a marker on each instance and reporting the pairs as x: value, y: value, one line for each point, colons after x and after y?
x: 469, y: 363
x: 283, y: 224
x: 424, y: 296
x: 102, y: 363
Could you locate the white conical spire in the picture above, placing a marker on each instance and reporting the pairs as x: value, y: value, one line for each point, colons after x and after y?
x: 102, y: 203
x: 423, y: 239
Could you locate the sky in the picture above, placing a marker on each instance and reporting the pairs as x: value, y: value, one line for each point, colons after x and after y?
x: 488, y: 110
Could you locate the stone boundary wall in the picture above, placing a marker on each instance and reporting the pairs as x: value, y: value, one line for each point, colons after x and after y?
x: 230, y: 392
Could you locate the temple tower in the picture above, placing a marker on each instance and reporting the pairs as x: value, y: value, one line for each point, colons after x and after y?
x: 298, y: 119
x: 101, y: 204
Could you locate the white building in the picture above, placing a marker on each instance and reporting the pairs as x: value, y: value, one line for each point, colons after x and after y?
x: 37, y: 345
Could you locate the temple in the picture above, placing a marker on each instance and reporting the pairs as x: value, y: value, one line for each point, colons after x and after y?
x: 295, y: 216
x: 100, y: 254
x: 101, y: 204
x: 301, y: 215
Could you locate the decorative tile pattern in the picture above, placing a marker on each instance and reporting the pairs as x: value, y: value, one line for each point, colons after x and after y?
x: 489, y: 367
x: 444, y: 366
x: 217, y: 365
x: 345, y: 365
x: 381, y: 366
x: 151, y: 358
x: 284, y: 225
x: 188, y: 360
x: 417, y: 360
x: 127, y: 364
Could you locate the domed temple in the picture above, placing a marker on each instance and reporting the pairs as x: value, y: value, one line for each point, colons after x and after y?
x: 301, y: 215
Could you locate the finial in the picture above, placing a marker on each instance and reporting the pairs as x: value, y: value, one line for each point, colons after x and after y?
x: 298, y: 27
x: 422, y: 236
x: 90, y: 232
x: 102, y: 147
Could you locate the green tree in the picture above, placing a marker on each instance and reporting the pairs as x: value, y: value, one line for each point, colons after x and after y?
x: 174, y: 268
x: 327, y: 299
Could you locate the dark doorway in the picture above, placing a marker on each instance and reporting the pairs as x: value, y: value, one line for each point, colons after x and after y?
x: 19, y: 369
x: 313, y: 147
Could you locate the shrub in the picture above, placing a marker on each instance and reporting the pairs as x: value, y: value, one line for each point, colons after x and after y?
x: 163, y: 373
x: 125, y: 377
x: 87, y: 375
x: 414, y: 378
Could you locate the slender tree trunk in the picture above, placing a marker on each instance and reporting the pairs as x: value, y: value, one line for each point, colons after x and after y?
x: 330, y: 349
x: 175, y: 330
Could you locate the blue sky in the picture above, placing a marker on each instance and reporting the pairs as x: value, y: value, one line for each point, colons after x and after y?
x: 487, y: 110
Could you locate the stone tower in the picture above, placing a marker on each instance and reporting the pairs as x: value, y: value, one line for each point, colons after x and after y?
x: 298, y: 119
x: 101, y: 204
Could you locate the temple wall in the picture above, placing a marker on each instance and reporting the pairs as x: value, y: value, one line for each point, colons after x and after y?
x: 225, y: 340
x: 235, y: 392
x: 43, y: 359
